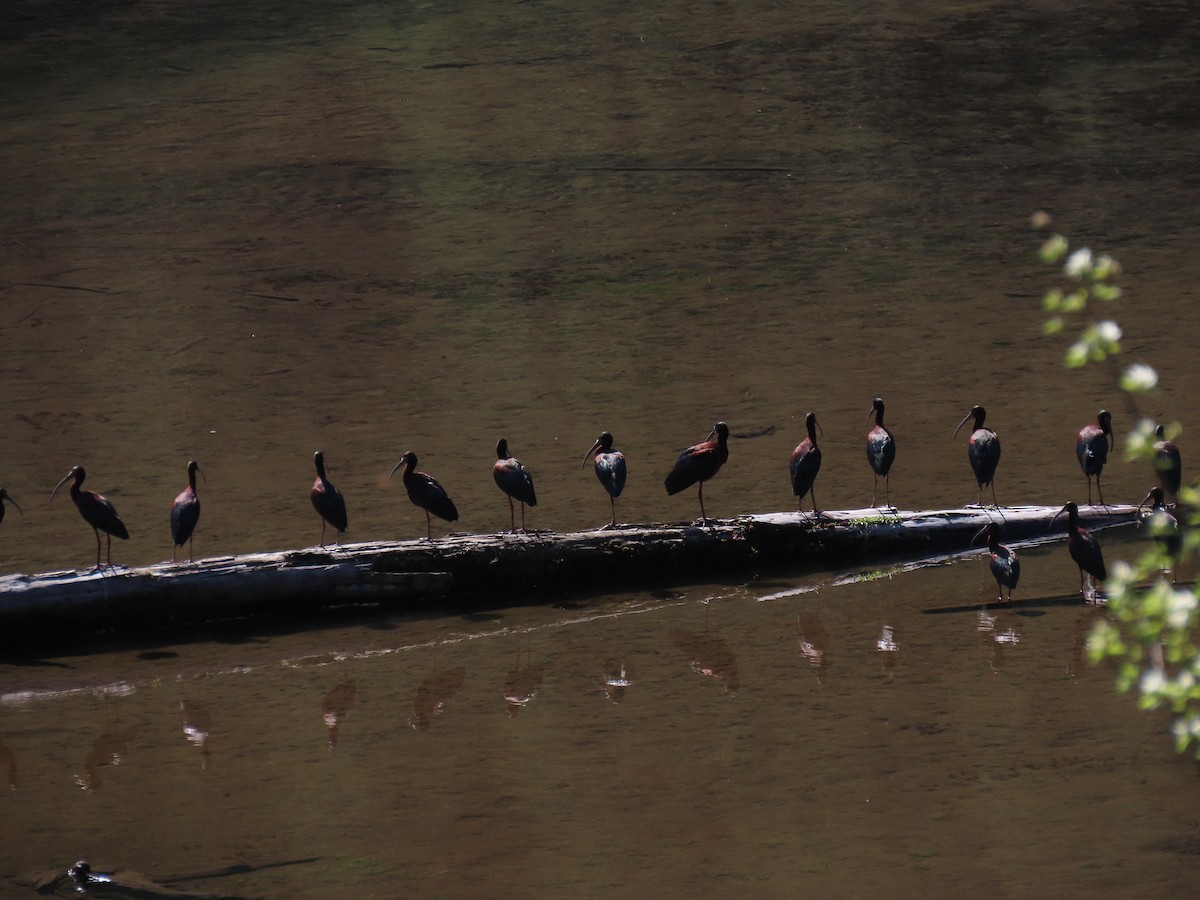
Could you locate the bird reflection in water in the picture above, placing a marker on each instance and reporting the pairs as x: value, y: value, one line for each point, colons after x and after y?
x: 336, y: 706
x: 107, y: 750
x: 523, y: 683
x: 9, y: 761
x: 433, y: 694
x: 1000, y: 631
x: 197, y: 724
x: 617, y: 679
x: 813, y: 641
x: 887, y: 646
x: 709, y: 655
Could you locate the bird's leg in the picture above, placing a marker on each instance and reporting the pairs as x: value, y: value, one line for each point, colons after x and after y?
x: 97, y: 532
x: 996, y: 504
x: 1082, y: 587
x: 812, y: 495
x: 1089, y: 478
x: 512, y: 517
x: 875, y: 492
x: 322, y: 532
x: 173, y: 548
x: 887, y: 490
x: 1099, y: 490
x: 190, y: 559
x: 109, y: 536
x: 522, y: 517
x: 703, y: 514
x: 428, y: 527
x: 613, y: 503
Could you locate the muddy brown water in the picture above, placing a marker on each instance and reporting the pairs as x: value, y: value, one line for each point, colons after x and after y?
x: 243, y: 232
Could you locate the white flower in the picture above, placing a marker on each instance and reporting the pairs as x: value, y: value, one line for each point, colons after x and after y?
x: 1078, y: 263
x: 1180, y: 606
x: 1108, y: 331
x: 1139, y: 378
x: 1153, y: 682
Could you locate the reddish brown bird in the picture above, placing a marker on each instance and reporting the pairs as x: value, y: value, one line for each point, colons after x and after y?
x: 610, y: 470
x: 96, y: 510
x: 806, y: 463
x: 4, y: 495
x: 425, y: 492
x: 983, y: 451
x: 699, y: 463
x: 881, y: 452
x: 1167, y: 462
x: 515, y: 480
x: 327, y: 500
x: 1084, y: 549
x: 1092, y: 446
x: 1002, y: 560
x: 185, y: 513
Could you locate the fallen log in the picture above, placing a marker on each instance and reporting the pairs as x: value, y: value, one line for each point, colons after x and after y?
x: 530, y: 567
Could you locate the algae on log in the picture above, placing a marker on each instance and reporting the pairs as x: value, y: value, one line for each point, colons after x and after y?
x: 534, y: 567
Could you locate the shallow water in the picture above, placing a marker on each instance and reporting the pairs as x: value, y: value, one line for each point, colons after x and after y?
x: 243, y: 232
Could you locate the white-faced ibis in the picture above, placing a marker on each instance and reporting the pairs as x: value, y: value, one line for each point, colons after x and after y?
x: 983, y: 451
x: 327, y: 500
x: 881, y: 452
x: 806, y: 463
x: 699, y: 463
x: 185, y: 513
x: 1003, y: 561
x: 425, y: 492
x: 1092, y: 446
x: 96, y: 510
x: 610, y: 469
x: 515, y: 480
x: 1084, y: 549
x: 1163, y: 526
x: 4, y: 495
x: 1167, y: 463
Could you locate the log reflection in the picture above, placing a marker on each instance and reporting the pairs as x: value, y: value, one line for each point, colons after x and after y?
x: 335, y: 706
x: 888, y: 647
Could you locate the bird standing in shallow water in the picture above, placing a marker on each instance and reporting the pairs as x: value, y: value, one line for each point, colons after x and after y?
x: 1167, y: 462
x: 610, y: 469
x: 881, y: 452
x: 699, y: 463
x: 185, y: 513
x: 425, y: 492
x: 1092, y: 446
x: 1003, y: 561
x: 1084, y: 549
x: 805, y: 464
x: 96, y: 510
x: 5, y: 496
x: 327, y: 500
x: 983, y: 451
x: 515, y: 480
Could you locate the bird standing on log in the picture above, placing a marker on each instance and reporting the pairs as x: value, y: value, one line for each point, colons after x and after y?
x: 1092, y: 446
x: 185, y: 513
x: 327, y: 500
x: 881, y: 452
x: 1084, y: 549
x: 983, y: 451
x: 1003, y: 561
x: 1167, y: 462
x: 4, y: 495
x: 425, y: 492
x: 610, y: 469
x: 515, y: 480
x: 805, y: 464
x: 699, y: 463
x: 96, y: 510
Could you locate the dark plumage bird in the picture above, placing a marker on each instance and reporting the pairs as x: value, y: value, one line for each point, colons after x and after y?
x: 96, y: 510
x: 5, y: 496
x: 1163, y: 526
x: 610, y: 469
x: 806, y: 463
x: 1084, y: 548
x: 983, y: 451
x: 1092, y: 446
x: 1167, y: 463
x: 881, y: 452
x: 425, y: 492
x: 185, y: 513
x: 327, y: 500
x: 699, y: 463
x: 1003, y: 561
x: 515, y: 480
